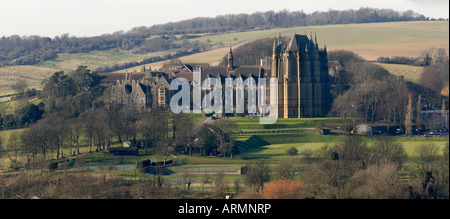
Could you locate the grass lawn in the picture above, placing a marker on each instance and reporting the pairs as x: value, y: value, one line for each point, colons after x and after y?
x: 411, y: 73
x: 253, y: 123
x: 9, y: 107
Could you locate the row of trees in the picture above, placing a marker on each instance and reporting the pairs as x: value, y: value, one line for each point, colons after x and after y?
x: 16, y: 50
x: 116, y: 67
x: 271, y: 19
x: 30, y: 50
x: 160, y: 132
x: 350, y: 169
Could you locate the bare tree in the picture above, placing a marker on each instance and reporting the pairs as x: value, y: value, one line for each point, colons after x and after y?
x: 377, y: 181
x: 183, y: 131
x: 408, y: 117
x: 443, y: 114
x: 164, y: 149
x: 287, y: 168
x: 206, y: 179
x: 419, y: 114
x: 425, y: 158
x: 14, y: 147
x: 20, y: 86
x: 387, y: 149
x: 75, y: 131
x: 432, y: 84
x: 257, y: 174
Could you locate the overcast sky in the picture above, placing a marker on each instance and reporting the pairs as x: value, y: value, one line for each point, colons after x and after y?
x: 95, y: 17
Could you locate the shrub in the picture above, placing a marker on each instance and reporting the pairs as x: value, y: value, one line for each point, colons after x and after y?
x: 283, y: 189
x: 292, y: 151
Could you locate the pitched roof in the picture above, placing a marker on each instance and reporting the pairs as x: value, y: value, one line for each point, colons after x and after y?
x: 222, y: 72
x: 162, y: 81
x: 298, y: 43
x: 334, y: 64
x: 187, y: 75
x: 248, y: 71
x: 113, y: 77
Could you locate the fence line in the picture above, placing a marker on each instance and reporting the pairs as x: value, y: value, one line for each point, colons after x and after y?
x: 293, y: 131
x: 206, y: 170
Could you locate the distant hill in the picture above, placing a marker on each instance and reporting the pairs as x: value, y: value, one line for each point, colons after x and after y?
x: 28, y: 50
x: 370, y: 41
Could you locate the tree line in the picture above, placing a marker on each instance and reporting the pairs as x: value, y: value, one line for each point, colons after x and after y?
x: 58, y: 135
x: 347, y: 170
x: 28, y: 50
x: 116, y: 67
x: 283, y: 18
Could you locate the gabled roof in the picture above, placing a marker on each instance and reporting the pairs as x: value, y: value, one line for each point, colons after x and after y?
x: 162, y: 81
x: 222, y: 72
x: 248, y: 71
x: 334, y: 64
x: 113, y: 77
x: 298, y: 43
x: 238, y: 71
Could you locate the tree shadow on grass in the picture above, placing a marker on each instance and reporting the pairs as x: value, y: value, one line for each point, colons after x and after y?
x: 251, y: 146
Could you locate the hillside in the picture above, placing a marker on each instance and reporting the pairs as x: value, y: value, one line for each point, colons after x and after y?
x: 370, y: 41
x: 411, y: 73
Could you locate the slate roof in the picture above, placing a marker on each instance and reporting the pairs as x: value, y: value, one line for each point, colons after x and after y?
x: 298, y: 43
x: 238, y: 71
x: 222, y: 72
x: 187, y: 75
x: 113, y: 77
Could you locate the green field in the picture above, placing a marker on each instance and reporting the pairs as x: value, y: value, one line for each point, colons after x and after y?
x: 9, y: 107
x: 411, y: 73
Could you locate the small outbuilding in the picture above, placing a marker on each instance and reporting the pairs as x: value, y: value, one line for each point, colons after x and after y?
x: 363, y: 129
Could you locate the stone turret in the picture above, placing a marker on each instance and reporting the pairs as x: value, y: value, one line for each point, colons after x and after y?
x: 230, y: 66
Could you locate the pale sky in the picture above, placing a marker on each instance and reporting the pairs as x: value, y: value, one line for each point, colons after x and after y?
x: 95, y: 17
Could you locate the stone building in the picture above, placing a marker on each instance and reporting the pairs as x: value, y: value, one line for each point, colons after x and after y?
x: 144, y: 91
x: 303, y: 78
x: 301, y: 68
